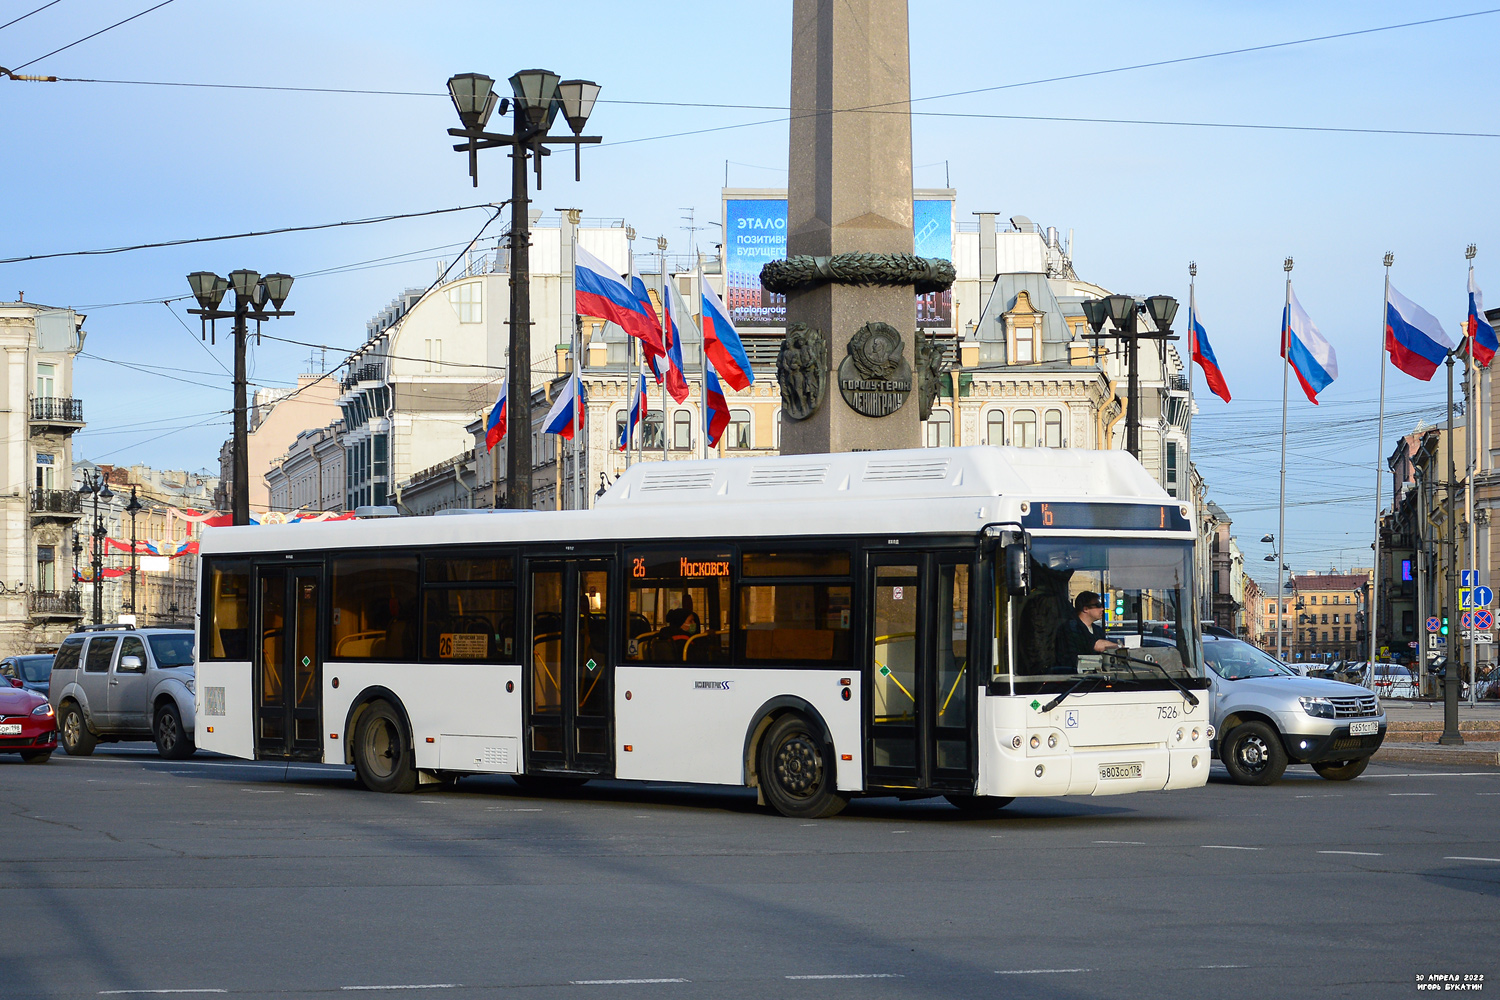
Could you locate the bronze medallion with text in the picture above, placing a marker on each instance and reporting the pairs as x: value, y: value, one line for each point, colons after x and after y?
x: 875, y: 377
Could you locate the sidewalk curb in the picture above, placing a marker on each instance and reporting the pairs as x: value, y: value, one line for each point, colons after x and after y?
x: 1483, y: 754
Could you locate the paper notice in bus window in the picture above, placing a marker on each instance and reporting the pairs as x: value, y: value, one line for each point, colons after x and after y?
x: 897, y: 593
x: 461, y: 646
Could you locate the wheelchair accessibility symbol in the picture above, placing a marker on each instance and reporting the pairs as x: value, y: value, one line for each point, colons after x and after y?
x: 1070, y: 720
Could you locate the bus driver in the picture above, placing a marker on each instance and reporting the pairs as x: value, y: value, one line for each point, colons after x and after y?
x: 1083, y: 633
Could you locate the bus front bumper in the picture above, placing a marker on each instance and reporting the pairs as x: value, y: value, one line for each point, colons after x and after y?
x: 1111, y: 771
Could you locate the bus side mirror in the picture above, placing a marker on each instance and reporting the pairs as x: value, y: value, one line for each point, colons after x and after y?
x: 1017, y: 569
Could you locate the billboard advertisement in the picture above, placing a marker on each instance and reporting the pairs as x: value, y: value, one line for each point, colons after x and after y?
x: 755, y: 235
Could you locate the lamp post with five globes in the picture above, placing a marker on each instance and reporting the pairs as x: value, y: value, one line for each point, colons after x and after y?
x: 95, y: 484
x: 538, y: 96
x: 251, y: 293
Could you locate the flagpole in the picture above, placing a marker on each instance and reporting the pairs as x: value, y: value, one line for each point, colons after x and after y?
x: 1471, y: 426
x: 702, y: 367
x: 1374, y: 615
x: 1286, y: 364
x: 1186, y: 472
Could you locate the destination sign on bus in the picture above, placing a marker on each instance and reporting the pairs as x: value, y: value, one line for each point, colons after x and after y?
x: 1109, y: 516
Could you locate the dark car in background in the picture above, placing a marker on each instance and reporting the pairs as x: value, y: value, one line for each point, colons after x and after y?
x: 31, y: 670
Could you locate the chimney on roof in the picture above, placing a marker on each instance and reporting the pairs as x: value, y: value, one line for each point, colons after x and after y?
x: 21, y: 296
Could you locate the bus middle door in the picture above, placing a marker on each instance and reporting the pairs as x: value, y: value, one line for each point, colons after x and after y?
x: 288, y: 667
x: 570, y: 668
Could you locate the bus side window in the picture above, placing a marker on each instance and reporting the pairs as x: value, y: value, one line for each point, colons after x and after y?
x: 794, y: 607
x: 226, y: 610
x: 374, y: 608
x: 469, y: 608
x: 677, y: 606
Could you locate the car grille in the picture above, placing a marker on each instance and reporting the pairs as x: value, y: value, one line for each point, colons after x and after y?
x: 1354, y: 742
x: 1355, y: 706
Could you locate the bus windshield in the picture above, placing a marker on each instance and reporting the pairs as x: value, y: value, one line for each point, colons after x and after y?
x: 1113, y: 606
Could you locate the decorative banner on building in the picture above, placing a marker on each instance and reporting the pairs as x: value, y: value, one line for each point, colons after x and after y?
x: 755, y: 235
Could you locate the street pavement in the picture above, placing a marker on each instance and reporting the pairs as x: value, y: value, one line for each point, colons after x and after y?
x: 126, y: 875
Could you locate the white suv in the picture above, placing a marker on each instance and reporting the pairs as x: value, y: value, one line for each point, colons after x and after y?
x: 115, y: 682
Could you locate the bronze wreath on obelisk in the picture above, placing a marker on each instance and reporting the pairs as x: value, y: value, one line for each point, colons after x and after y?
x: 925, y: 274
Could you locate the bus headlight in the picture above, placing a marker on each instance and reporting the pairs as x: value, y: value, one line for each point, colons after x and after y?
x: 1196, y: 734
x: 1179, y: 734
x: 1052, y: 741
x: 1036, y: 741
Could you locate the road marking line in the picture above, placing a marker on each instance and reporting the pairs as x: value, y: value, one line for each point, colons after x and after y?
x: 1497, y: 860
x: 114, y: 993
x: 1399, y: 795
x: 1437, y: 774
x: 901, y: 831
x: 1358, y: 854
x: 417, y: 986
x: 1229, y: 847
x: 1132, y: 843
x: 622, y: 982
x: 853, y: 975
x: 1487, y: 793
x: 1035, y: 972
x: 1223, y: 966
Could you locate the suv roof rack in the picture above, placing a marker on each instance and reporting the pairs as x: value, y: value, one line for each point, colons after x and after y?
x: 105, y: 628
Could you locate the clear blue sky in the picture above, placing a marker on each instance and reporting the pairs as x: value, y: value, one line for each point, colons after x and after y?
x: 95, y: 165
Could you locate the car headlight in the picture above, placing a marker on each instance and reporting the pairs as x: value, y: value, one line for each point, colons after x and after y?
x: 191, y: 684
x: 44, y: 710
x: 1320, y: 708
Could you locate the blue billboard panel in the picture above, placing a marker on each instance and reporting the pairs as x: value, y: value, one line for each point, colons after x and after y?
x: 755, y: 235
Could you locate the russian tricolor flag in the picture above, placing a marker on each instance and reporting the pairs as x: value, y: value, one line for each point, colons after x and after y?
x: 1413, y: 336
x: 1481, y: 334
x: 494, y: 425
x: 634, y: 416
x: 599, y: 291
x: 721, y: 342
x: 677, y: 319
x: 1311, y: 357
x: 651, y: 349
x: 567, y: 413
x: 1203, y: 353
x: 716, y: 407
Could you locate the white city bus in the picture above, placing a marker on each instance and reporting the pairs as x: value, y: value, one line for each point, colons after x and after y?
x: 816, y: 627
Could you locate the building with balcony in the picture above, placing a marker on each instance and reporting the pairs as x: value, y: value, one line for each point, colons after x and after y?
x: 38, y: 508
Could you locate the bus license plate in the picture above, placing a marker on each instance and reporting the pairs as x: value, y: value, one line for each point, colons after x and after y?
x: 1119, y: 770
x: 10, y: 729
x: 1364, y: 728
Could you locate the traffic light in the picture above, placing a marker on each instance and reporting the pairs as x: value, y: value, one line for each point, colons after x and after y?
x: 1120, y: 605
x: 1444, y: 629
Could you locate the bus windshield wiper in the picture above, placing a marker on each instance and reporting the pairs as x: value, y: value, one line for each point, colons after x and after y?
x: 1192, y: 699
x: 1080, y: 682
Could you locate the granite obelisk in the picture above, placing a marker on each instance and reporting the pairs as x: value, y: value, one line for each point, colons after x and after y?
x: 849, y: 191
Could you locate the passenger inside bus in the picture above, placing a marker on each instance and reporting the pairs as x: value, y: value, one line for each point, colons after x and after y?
x: 681, y: 621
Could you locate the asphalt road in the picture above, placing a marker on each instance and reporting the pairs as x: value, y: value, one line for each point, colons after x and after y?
x: 125, y: 875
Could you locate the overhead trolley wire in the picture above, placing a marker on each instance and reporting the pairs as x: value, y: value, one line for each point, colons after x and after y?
x: 85, y: 38
x: 23, y: 17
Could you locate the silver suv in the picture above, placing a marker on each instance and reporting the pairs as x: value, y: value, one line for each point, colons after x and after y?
x: 1267, y: 717
x: 115, y: 682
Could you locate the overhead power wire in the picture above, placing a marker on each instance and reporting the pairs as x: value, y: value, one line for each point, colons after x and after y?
x: 241, y: 236
x: 23, y: 17
x: 96, y: 34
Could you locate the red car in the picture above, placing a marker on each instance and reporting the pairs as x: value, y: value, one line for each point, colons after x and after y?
x: 28, y: 725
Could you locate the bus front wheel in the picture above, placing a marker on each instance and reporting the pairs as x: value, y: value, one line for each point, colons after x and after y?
x: 382, y: 750
x: 796, y: 770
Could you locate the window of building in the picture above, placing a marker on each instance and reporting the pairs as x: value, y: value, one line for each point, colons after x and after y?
x: 677, y: 605
x: 45, y: 472
x: 469, y: 604
x: 1325, y: 620
x: 738, y: 433
x: 468, y: 301
x: 682, y: 430
x: 1346, y: 598
x: 940, y: 429
x: 1325, y: 598
x: 1346, y: 634
x: 1325, y: 636
x: 378, y: 451
x: 46, y: 568
x: 1023, y: 345
x: 1023, y: 429
x: 1053, y: 429
x: 994, y: 428
x: 374, y: 608
x: 651, y: 429
x: 1172, y: 468
x: 46, y: 379
x: 796, y: 610
x: 225, y: 629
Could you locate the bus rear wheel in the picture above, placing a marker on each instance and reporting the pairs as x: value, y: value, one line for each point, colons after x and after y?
x: 796, y: 770
x: 382, y: 750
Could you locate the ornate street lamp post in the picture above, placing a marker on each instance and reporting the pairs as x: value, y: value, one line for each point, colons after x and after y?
x: 132, y: 508
x: 1121, y: 310
x: 94, y: 483
x: 251, y: 292
x: 538, y: 95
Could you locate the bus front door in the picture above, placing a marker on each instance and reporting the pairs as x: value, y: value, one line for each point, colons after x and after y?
x: 920, y: 686
x: 570, y: 670
x: 288, y: 670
